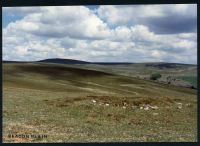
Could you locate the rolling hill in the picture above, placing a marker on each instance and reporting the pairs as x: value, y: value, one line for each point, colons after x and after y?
x: 184, y: 74
x: 93, y: 103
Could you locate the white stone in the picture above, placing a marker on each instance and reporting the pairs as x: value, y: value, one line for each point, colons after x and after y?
x: 153, y: 107
x: 146, y: 108
x: 125, y: 103
x: 179, y: 107
x: 188, y: 104
x: 179, y: 103
x: 155, y: 114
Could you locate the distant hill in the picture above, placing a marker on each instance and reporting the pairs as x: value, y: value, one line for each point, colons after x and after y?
x: 16, y: 61
x: 63, y: 61
x: 69, y: 61
x: 163, y: 65
x: 72, y: 61
x: 111, y: 63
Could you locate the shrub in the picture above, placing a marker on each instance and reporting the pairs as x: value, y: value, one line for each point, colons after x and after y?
x: 155, y: 76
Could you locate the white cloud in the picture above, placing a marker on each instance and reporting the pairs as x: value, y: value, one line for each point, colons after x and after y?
x: 22, y: 11
x: 159, y: 18
x: 122, y: 33
x: 128, y: 14
x: 75, y: 22
x: 112, y: 34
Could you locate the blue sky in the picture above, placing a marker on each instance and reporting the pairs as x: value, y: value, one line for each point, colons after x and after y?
x: 130, y: 33
x: 10, y: 17
x: 7, y: 18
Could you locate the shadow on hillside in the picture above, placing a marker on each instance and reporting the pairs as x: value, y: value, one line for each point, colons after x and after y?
x: 59, y: 72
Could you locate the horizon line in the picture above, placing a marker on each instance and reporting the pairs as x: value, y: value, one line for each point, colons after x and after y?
x: 95, y: 61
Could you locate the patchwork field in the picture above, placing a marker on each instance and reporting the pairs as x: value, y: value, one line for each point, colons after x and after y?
x: 96, y: 103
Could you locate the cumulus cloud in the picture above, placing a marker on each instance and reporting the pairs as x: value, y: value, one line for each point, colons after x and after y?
x: 139, y: 33
x: 22, y: 11
x: 164, y: 19
x: 75, y: 22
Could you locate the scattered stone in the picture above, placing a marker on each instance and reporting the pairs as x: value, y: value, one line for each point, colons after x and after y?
x: 179, y: 107
x: 155, y: 114
x: 154, y: 107
x: 107, y: 104
x: 179, y: 103
x: 124, y: 107
x: 146, y: 108
x: 124, y: 103
x: 188, y: 104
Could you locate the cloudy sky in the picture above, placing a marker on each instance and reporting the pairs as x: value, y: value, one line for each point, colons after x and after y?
x: 128, y: 33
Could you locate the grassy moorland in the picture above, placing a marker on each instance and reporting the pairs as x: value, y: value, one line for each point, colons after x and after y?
x: 93, y: 103
x: 191, y: 79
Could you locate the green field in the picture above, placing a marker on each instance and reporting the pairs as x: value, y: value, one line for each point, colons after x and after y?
x: 190, y: 79
x: 93, y: 103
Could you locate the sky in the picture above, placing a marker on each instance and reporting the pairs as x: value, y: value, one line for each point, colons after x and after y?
x: 109, y: 33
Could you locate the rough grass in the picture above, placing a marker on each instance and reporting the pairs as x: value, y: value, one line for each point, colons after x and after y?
x: 64, y: 108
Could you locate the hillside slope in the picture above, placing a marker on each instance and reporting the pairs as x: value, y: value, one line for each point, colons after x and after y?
x: 72, y: 104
